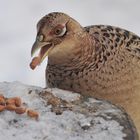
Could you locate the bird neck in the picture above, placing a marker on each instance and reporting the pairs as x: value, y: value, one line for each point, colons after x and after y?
x: 78, y: 58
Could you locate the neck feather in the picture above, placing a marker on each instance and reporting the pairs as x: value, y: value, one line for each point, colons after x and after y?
x: 80, y: 57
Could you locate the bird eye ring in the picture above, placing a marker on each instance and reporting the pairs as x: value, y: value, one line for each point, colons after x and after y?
x: 59, y: 31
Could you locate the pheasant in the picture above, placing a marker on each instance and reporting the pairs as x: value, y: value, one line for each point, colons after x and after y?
x: 98, y: 61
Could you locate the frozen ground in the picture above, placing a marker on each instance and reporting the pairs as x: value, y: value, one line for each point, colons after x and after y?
x: 87, y: 120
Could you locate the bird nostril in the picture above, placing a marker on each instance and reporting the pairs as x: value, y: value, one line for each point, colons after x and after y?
x: 40, y: 38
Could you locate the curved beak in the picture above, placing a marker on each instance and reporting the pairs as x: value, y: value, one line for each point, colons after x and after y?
x: 38, y: 45
x: 44, y: 47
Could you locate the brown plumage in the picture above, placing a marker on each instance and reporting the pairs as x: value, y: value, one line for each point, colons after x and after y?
x: 99, y: 61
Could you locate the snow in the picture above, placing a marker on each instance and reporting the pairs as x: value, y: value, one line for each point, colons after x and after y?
x: 77, y: 124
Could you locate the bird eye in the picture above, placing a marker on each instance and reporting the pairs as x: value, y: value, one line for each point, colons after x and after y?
x: 40, y: 38
x: 60, y: 31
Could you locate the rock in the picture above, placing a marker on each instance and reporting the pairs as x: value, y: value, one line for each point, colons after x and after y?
x: 68, y: 116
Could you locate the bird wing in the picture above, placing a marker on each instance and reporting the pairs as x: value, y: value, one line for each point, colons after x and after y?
x: 114, y: 37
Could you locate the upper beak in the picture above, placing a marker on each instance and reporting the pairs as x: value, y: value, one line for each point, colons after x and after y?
x: 38, y: 45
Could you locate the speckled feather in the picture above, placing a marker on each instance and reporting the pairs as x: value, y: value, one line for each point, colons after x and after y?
x: 103, y: 63
x: 116, y: 50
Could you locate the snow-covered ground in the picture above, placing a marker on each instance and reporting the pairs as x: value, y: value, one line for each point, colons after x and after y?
x: 18, y: 20
x: 87, y: 119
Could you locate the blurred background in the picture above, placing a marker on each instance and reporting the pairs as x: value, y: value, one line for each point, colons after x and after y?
x: 18, y: 20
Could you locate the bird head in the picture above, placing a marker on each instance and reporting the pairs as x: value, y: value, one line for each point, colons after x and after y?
x: 57, y: 34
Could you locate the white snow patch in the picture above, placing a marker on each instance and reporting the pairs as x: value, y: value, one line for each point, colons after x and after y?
x: 50, y: 126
